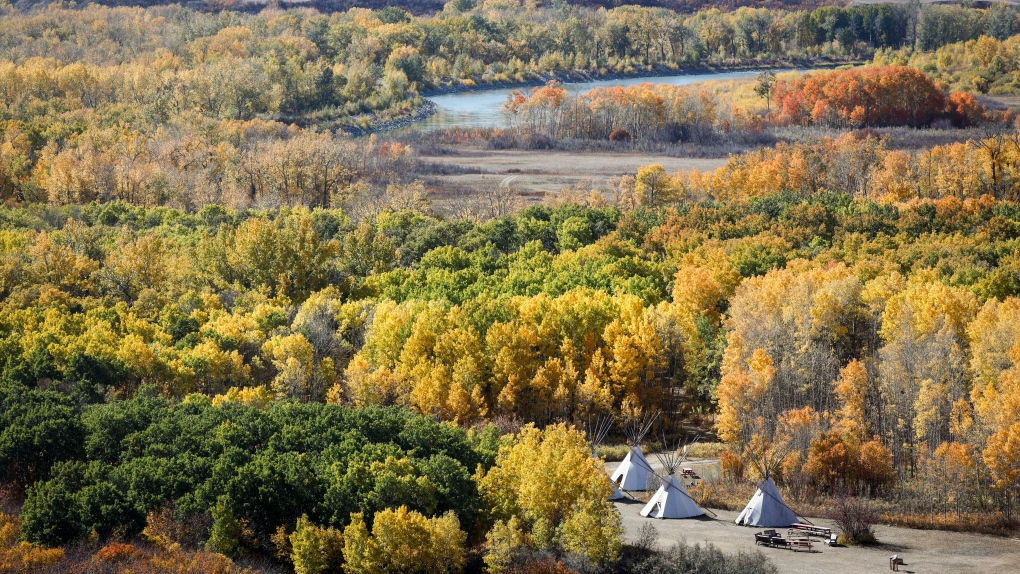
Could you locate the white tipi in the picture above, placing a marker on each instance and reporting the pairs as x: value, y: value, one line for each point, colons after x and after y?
x: 633, y: 472
x: 767, y: 508
x: 672, y: 500
x: 596, y: 433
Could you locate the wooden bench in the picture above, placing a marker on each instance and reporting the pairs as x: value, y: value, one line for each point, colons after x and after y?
x: 770, y: 538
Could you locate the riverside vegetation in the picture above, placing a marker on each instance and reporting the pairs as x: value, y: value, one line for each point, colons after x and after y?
x: 234, y: 341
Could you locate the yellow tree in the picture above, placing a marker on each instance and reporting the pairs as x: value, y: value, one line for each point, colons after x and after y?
x: 59, y: 264
x: 743, y: 394
x: 404, y: 541
x: 136, y: 264
x: 1002, y: 456
x: 852, y: 392
x: 314, y: 549
x: 921, y: 365
x: 298, y: 375
x: 562, y: 507
x: 653, y: 186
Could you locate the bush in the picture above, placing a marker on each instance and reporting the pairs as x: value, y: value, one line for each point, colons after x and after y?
x: 855, y: 518
x: 687, y: 559
x: 619, y: 135
x: 612, y: 452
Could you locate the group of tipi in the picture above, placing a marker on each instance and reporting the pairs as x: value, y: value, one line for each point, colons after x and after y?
x: 765, y: 509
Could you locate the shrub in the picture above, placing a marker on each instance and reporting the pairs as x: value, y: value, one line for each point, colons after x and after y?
x: 612, y: 452
x: 619, y: 135
x: 116, y: 552
x: 855, y: 518
x: 697, y: 559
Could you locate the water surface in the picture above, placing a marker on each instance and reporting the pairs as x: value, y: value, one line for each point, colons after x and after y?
x: 481, y: 108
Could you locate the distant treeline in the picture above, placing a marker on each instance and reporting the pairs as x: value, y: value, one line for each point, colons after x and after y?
x: 171, y: 106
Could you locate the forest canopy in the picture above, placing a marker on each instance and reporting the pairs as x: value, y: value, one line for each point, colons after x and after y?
x: 231, y: 331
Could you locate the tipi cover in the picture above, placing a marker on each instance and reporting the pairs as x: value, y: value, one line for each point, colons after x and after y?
x: 632, y: 474
x: 617, y: 494
x: 767, y: 508
x: 671, y: 501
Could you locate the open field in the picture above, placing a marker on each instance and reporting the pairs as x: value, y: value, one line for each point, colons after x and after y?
x: 536, y: 173
x: 1000, y: 102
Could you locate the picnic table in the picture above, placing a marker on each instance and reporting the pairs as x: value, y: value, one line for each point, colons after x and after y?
x: 773, y: 539
x: 798, y: 544
x: 686, y: 471
x: 811, y: 530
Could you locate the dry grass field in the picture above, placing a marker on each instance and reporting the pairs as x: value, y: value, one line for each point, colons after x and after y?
x: 538, y: 173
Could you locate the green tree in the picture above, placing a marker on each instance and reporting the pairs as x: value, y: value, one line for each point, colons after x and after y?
x: 225, y: 535
x: 764, y: 85
x: 37, y: 429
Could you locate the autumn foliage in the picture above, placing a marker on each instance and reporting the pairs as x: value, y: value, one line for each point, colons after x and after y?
x: 650, y: 112
x: 872, y: 96
x: 861, y: 165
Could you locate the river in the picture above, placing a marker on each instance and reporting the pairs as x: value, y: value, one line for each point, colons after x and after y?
x: 481, y: 108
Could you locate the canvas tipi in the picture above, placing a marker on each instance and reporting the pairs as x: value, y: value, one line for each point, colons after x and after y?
x: 633, y: 472
x: 596, y: 432
x: 767, y: 508
x: 672, y: 500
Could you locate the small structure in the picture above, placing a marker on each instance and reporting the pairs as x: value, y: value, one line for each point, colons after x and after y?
x: 672, y: 500
x: 595, y: 432
x: 633, y: 472
x: 767, y: 507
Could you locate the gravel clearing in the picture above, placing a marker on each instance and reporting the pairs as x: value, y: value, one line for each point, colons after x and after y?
x: 924, y: 551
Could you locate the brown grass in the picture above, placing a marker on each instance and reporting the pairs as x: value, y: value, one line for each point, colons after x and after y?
x: 612, y: 452
x: 729, y: 495
x: 994, y: 523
